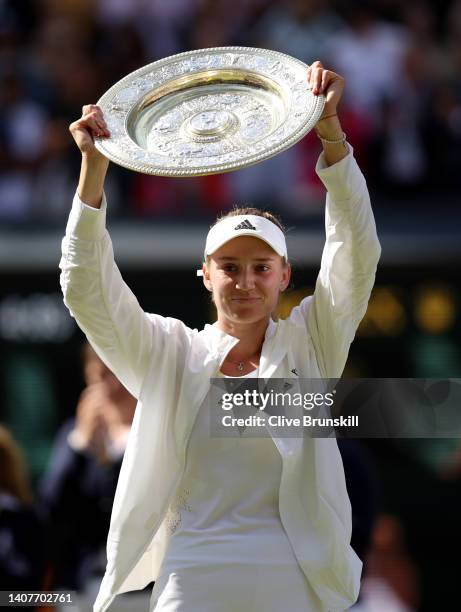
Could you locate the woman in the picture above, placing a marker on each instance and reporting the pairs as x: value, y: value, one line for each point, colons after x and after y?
x: 22, y: 529
x: 224, y: 525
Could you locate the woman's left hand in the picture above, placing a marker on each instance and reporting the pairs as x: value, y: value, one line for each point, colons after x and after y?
x: 322, y: 81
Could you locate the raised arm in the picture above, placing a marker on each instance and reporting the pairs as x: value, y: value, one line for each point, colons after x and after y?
x: 106, y: 310
x: 352, y: 249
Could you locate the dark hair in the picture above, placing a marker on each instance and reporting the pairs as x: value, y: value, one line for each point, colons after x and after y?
x: 14, y: 476
x: 251, y: 210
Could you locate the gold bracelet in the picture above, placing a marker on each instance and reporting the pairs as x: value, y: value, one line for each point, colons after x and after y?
x: 341, y: 140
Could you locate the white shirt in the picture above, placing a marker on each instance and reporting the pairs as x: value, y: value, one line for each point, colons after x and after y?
x: 227, y: 503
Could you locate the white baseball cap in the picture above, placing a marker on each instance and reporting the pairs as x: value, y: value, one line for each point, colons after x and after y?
x: 245, y: 225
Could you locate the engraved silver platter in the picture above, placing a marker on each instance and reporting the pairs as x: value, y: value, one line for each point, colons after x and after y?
x: 208, y: 111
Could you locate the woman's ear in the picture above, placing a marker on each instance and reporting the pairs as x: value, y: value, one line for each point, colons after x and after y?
x: 286, y: 276
x: 206, y: 276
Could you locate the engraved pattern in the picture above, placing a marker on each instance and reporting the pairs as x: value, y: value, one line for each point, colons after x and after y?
x: 261, y: 122
x: 240, y: 122
x: 173, y: 517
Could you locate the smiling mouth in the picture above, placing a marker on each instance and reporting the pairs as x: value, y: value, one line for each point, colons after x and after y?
x: 247, y: 300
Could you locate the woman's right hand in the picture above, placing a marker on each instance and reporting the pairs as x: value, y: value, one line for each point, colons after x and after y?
x: 90, y: 125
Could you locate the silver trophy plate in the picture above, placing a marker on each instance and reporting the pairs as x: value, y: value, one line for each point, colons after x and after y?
x: 208, y: 111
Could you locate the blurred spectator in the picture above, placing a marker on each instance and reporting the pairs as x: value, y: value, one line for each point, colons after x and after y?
x: 362, y: 488
x: 399, y: 148
x: 391, y: 582
x: 211, y: 29
x: 79, y: 485
x: 57, y: 169
x: 78, y: 11
x: 63, y: 57
x: 427, y: 500
x: 117, y: 60
x: 22, y: 541
x: 406, y: 160
x: 419, y: 18
x: 162, y: 26
x: 224, y: 22
x: 301, y: 28
x: 368, y: 50
x: 443, y: 134
x: 22, y: 132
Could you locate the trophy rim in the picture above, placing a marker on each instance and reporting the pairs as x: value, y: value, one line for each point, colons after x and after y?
x: 118, y: 154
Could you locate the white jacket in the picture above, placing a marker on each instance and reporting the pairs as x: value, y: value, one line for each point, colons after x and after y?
x: 168, y: 367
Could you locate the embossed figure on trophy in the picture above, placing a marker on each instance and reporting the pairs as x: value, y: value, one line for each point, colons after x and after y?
x: 211, y: 122
x: 208, y: 120
x: 165, y: 127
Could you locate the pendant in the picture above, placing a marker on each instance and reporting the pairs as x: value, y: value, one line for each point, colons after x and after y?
x: 240, y: 366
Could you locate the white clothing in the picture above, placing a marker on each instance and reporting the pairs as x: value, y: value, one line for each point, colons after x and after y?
x: 168, y: 367
x: 225, y: 521
x: 225, y: 587
x: 223, y: 509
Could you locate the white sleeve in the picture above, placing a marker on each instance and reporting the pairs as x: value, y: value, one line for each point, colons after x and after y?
x: 106, y: 310
x: 347, y: 273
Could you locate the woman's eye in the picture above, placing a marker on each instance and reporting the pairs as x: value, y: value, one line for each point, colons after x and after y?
x: 229, y: 268
x: 263, y: 268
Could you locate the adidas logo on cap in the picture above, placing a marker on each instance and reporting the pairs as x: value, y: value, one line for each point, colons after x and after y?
x: 245, y: 225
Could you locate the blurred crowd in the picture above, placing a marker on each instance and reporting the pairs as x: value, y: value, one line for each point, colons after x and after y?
x: 401, y: 109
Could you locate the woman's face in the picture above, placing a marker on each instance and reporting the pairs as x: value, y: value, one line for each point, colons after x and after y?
x: 246, y: 277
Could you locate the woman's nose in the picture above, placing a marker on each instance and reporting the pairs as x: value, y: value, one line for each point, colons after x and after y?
x: 245, y: 280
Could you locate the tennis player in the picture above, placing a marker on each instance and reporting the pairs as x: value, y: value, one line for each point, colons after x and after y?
x: 225, y: 524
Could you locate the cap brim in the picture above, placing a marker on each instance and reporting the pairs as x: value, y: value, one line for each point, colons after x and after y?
x: 251, y: 233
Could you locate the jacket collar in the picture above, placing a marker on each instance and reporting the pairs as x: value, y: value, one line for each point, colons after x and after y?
x: 219, y: 343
